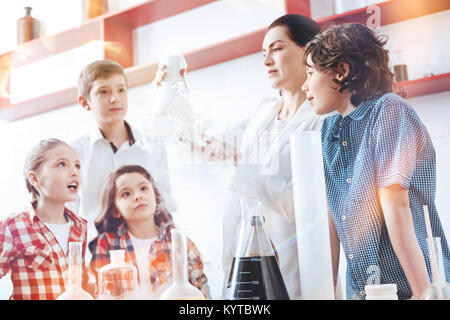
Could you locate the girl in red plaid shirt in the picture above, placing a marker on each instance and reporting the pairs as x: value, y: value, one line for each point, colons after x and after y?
x: 132, y: 219
x: 34, y: 243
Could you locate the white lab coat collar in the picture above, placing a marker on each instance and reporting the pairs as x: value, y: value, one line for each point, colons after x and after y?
x: 267, y: 113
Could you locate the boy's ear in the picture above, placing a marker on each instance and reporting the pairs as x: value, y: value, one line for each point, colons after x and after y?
x: 343, y: 70
x: 84, y: 103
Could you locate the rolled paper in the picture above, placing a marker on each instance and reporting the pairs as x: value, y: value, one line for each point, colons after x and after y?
x: 311, y: 216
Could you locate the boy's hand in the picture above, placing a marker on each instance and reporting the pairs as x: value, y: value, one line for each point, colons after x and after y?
x: 161, y: 74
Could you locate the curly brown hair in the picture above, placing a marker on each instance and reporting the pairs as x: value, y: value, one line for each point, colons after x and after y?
x: 358, y: 46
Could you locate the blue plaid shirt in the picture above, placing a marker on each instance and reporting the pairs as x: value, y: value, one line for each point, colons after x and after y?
x: 380, y: 143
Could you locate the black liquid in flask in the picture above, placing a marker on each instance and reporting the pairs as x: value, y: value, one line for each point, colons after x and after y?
x: 255, y: 275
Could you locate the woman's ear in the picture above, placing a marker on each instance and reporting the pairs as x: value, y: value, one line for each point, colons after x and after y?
x: 343, y: 70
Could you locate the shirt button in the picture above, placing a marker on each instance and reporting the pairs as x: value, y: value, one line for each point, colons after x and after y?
x: 343, y: 217
x: 350, y: 256
x: 348, y: 180
x: 344, y: 143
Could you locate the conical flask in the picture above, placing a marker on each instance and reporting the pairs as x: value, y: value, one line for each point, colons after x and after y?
x: 180, y: 289
x: 439, y: 288
x: 75, y: 290
x: 117, y: 280
x: 255, y: 273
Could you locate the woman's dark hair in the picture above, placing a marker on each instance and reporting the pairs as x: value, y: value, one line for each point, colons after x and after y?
x: 301, y: 29
x: 358, y: 46
x: 107, y: 220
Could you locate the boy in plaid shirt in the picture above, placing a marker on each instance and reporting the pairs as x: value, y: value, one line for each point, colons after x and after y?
x: 34, y: 243
x: 132, y: 219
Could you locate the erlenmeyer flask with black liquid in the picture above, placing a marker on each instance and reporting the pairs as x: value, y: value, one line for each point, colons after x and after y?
x: 255, y: 274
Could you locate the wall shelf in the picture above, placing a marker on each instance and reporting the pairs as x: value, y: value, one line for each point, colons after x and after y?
x: 117, y: 27
x: 427, y: 85
x: 390, y: 12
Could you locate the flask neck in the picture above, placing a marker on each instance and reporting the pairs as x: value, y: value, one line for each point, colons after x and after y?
x: 75, y: 265
x: 75, y: 275
x: 28, y: 11
x: 179, y: 257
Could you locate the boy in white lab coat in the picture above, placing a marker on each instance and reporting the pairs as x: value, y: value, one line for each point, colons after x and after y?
x: 112, y: 143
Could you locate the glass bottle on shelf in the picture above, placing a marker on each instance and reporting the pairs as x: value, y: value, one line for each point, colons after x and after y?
x: 28, y: 28
x: 180, y: 289
x: 428, y: 69
x: 400, y: 68
x: 255, y: 273
x: 75, y: 290
x: 439, y: 288
x: 94, y: 8
x: 117, y: 280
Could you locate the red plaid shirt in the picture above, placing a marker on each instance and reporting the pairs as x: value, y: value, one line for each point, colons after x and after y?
x: 28, y: 249
x: 160, y: 258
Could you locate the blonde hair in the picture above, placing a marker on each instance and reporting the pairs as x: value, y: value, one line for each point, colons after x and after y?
x: 34, y: 160
x: 100, y: 69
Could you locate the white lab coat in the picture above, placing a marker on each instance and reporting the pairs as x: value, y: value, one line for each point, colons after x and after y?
x: 274, y: 189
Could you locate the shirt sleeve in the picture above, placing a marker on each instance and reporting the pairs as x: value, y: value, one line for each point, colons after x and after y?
x: 196, y: 275
x: 398, y: 139
x: 7, y: 249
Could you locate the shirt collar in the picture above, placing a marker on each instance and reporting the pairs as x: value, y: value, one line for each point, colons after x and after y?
x: 97, y: 134
x: 363, y: 107
x: 67, y: 213
x: 164, y: 231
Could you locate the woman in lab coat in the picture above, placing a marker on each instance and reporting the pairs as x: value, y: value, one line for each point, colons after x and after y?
x: 262, y: 161
x: 272, y: 124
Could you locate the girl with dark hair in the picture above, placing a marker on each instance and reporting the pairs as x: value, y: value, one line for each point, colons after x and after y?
x: 379, y: 161
x: 34, y: 243
x: 133, y: 218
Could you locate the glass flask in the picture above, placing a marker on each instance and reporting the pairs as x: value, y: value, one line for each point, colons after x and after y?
x: 439, y: 288
x: 180, y: 289
x: 75, y: 290
x: 255, y: 273
x: 117, y: 280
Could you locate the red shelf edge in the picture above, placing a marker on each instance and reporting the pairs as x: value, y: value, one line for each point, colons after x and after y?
x: 142, y: 75
x: 426, y: 86
x: 406, y: 9
x: 210, y: 55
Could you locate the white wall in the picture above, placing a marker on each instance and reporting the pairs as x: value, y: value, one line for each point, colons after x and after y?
x: 225, y: 93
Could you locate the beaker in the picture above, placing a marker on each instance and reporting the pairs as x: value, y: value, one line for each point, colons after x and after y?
x: 255, y: 273
x: 180, y: 289
x: 117, y: 280
x: 74, y: 289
